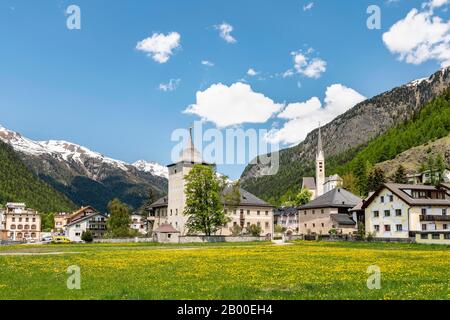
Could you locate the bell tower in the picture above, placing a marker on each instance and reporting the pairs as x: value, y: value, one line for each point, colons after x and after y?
x: 320, y: 166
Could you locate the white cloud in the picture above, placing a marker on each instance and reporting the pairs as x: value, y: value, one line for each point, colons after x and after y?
x: 225, y: 32
x: 311, y: 68
x: 421, y: 36
x: 438, y: 3
x: 159, y: 46
x: 207, y: 63
x: 305, y: 117
x: 172, y: 85
x: 233, y: 105
x: 308, y: 6
x: 251, y: 72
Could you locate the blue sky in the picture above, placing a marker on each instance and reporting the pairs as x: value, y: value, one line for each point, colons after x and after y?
x: 94, y: 86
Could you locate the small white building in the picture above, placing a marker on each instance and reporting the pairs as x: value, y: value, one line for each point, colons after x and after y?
x: 95, y: 222
x: 426, y: 177
x: 403, y: 211
x: 139, y: 223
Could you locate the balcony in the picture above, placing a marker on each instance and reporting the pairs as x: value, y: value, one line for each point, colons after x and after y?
x: 434, y: 218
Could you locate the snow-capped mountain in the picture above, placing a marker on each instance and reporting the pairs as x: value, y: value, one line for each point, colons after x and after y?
x: 86, y: 176
x: 152, y: 167
x: 70, y: 152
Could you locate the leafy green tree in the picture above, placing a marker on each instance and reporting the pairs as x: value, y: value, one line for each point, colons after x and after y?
x: 350, y: 183
x: 375, y: 180
x: 48, y: 221
x: 236, y: 230
x: 303, y: 197
x: 119, y: 220
x: 204, y: 206
x: 400, y: 175
x: 254, y: 230
x: 87, y: 236
x: 278, y: 229
x: 232, y: 197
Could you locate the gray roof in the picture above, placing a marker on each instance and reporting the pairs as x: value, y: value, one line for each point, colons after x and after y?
x: 285, y: 211
x: 343, y: 219
x: 163, y: 202
x: 336, y: 198
x: 309, y: 183
x: 399, y: 191
x: 86, y: 218
x: 249, y: 200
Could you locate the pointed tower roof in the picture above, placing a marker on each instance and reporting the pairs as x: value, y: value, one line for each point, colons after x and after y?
x: 190, y: 153
x: 320, y: 152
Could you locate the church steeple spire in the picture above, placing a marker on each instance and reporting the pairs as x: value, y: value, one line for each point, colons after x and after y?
x: 319, y: 142
x: 320, y: 166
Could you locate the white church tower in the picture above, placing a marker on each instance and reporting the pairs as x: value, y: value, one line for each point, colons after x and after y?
x: 320, y: 167
x: 190, y: 156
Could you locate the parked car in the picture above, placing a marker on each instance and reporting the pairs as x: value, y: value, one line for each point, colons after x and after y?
x: 47, y: 239
x: 60, y: 240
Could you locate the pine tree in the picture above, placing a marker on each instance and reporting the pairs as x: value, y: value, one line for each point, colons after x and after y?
x: 400, y: 175
x: 375, y: 180
x: 119, y: 220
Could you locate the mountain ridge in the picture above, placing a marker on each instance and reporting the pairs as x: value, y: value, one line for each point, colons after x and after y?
x: 86, y: 176
x: 353, y: 129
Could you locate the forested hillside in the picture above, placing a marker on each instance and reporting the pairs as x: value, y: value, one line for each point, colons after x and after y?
x: 411, y: 115
x: 19, y: 184
x: 430, y: 124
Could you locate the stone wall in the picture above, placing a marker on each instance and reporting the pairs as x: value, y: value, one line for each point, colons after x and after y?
x: 212, y: 239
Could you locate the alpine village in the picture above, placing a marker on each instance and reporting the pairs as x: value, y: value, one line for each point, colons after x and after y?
x: 379, y: 172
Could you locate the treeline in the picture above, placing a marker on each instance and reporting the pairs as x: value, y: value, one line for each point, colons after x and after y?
x: 19, y: 184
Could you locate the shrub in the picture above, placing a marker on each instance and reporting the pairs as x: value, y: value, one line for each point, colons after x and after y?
x: 87, y: 236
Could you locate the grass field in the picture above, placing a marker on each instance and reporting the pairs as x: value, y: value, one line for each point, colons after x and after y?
x: 313, y: 270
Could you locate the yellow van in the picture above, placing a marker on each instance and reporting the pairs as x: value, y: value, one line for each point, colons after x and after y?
x: 60, y: 240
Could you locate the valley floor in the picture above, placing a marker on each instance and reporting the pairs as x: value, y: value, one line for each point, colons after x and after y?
x: 305, y: 270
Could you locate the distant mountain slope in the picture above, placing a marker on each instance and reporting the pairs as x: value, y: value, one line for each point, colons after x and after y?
x: 350, y: 131
x: 432, y: 122
x: 85, y: 176
x: 19, y: 184
x: 413, y: 158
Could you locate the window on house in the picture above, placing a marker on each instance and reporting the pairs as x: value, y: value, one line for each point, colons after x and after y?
x: 376, y: 214
x: 447, y: 236
x: 444, y: 212
x: 391, y: 198
x: 399, y: 227
x: 314, y: 225
x: 306, y: 212
x: 323, y: 225
x: 387, y: 228
x: 176, y: 212
x: 258, y: 213
x: 248, y: 212
x: 267, y: 213
x: 424, y: 211
x: 382, y: 199
x: 314, y: 212
x: 424, y: 227
x: 322, y: 211
x: 267, y: 224
x: 436, y: 236
x: 398, y: 212
x: 445, y: 226
x: 424, y: 236
x: 387, y: 213
x: 306, y: 225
